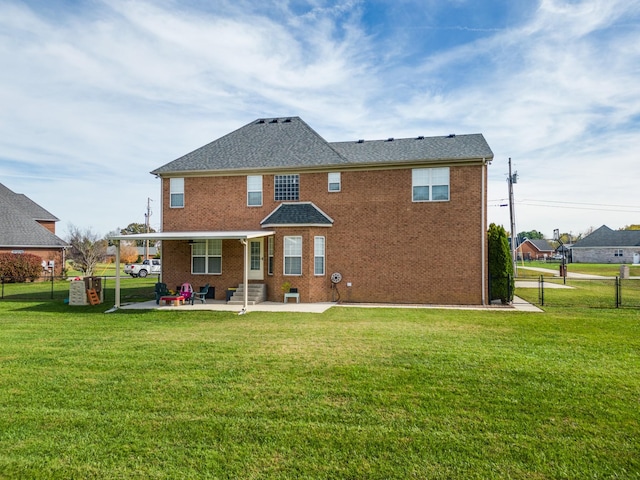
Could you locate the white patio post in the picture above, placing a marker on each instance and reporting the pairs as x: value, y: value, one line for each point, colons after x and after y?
x: 117, y: 300
x: 245, y: 244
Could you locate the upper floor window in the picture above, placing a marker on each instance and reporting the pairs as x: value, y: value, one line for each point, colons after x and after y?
x: 287, y: 187
x: 254, y: 190
x: 176, y: 192
x: 334, y: 182
x: 430, y: 184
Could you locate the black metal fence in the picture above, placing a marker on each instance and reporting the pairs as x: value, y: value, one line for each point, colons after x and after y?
x: 53, y: 288
x: 612, y: 292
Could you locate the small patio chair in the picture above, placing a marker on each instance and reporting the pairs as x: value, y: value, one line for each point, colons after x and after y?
x: 201, y: 295
x: 161, y: 290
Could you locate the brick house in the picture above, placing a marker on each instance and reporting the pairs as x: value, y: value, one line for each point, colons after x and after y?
x: 535, y: 249
x: 26, y: 227
x: 400, y: 220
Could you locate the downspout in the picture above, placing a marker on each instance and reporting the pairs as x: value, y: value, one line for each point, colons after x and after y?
x: 483, y: 234
x: 246, y: 276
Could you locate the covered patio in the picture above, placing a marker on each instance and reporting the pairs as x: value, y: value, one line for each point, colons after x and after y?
x: 243, y: 236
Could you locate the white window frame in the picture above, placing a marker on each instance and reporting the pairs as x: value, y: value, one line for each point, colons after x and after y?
x: 286, y: 187
x: 618, y: 252
x: 431, y: 179
x: 212, y: 249
x: 254, y: 186
x: 270, y: 251
x: 319, y: 250
x: 176, y: 191
x: 334, y: 182
x: 292, y: 251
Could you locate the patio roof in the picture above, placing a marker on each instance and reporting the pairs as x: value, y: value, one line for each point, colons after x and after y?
x: 212, y: 235
x: 242, y: 235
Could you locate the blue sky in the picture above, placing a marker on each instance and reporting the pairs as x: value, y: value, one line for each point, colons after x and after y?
x: 95, y: 94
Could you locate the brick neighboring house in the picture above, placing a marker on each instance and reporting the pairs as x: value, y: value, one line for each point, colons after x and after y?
x: 608, y: 246
x: 401, y: 220
x: 536, y: 249
x: 26, y: 227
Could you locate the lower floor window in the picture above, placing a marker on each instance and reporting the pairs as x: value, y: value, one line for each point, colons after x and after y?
x: 318, y: 256
x: 293, y: 255
x: 206, y: 257
x: 617, y: 253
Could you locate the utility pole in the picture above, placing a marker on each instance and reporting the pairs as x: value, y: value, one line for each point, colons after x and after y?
x: 146, y: 224
x: 512, y: 213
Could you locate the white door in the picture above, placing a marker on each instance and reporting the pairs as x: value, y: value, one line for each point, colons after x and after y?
x: 256, y: 259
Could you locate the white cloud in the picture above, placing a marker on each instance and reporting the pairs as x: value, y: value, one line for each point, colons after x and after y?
x: 95, y: 98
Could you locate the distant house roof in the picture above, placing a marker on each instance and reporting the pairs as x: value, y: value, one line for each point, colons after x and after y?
x: 289, y: 143
x: 540, y: 244
x: 605, y: 237
x: 302, y: 213
x: 19, y: 227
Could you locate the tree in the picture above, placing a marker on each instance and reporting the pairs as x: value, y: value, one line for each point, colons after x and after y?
x: 500, y: 265
x: 87, y: 249
x: 133, y: 228
x: 531, y: 235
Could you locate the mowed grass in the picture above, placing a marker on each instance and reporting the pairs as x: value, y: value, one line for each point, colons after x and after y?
x: 352, y: 393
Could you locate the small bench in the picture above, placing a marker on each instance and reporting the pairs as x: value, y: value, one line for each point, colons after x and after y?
x: 172, y: 299
x: 292, y: 295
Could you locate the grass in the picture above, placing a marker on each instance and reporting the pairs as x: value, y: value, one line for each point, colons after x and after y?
x: 352, y: 393
x: 607, y: 270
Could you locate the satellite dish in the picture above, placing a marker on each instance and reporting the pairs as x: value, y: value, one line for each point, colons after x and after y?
x: 336, y: 277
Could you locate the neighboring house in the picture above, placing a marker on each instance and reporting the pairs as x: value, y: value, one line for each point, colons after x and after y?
x: 26, y: 227
x: 608, y: 246
x: 391, y: 221
x: 536, y: 249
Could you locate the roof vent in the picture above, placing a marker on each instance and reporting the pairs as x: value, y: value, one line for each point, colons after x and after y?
x: 288, y: 120
x: 421, y: 137
x: 360, y: 141
x: 275, y: 120
x: 390, y: 139
x: 259, y: 122
x: 451, y: 135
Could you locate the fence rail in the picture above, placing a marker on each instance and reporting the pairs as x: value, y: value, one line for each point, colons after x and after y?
x: 612, y: 292
x: 56, y: 288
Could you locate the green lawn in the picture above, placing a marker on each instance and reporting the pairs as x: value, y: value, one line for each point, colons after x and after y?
x: 607, y: 270
x: 352, y: 393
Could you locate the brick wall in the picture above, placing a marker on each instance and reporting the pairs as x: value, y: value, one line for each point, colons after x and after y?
x: 387, y: 247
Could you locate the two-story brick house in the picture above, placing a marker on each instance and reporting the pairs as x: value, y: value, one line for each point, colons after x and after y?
x: 401, y: 220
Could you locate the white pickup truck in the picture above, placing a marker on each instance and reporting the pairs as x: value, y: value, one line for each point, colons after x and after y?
x: 143, y: 269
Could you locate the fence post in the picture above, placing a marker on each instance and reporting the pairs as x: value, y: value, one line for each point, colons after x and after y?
x: 52, y: 276
x: 618, y: 293
x: 541, y: 290
x: 2, y: 281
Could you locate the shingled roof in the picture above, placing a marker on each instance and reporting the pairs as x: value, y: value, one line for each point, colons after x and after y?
x: 605, y: 237
x: 19, y: 227
x: 289, y: 143
x: 298, y: 213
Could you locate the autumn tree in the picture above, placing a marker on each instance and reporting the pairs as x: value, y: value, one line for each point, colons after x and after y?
x: 87, y: 249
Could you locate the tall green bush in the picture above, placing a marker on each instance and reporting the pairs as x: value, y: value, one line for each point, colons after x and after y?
x: 500, y: 264
x: 19, y: 268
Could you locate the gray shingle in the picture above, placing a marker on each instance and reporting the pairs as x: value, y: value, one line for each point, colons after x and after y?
x: 286, y: 143
x: 302, y: 213
x: 605, y: 237
x: 18, y: 225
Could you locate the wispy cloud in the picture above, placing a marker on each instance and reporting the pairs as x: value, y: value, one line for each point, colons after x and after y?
x: 97, y: 94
